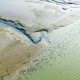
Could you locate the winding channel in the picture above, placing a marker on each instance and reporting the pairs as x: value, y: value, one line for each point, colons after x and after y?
x: 20, y: 27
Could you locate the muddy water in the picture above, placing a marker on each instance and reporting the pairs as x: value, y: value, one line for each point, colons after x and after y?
x: 61, y: 61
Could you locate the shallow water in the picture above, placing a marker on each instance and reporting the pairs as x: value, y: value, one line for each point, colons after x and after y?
x: 61, y: 61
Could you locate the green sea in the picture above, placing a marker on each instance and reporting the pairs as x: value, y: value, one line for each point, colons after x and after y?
x: 60, y: 61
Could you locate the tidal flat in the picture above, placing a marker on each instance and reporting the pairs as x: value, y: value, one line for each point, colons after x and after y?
x: 39, y: 40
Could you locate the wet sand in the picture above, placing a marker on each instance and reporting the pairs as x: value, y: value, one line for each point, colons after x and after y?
x: 14, y: 54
